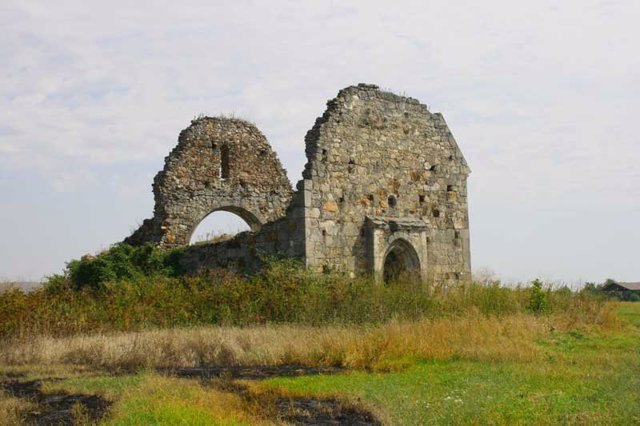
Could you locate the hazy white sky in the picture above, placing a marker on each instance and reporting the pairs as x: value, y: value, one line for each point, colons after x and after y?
x: 542, y: 97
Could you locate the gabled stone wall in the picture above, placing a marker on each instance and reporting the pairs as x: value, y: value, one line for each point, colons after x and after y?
x: 219, y: 164
x: 377, y: 154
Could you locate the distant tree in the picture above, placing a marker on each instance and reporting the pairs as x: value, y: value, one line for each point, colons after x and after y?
x: 623, y: 295
x: 592, y: 288
x: 538, y: 300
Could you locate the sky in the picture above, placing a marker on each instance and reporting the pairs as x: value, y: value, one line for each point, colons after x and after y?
x: 542, y: 98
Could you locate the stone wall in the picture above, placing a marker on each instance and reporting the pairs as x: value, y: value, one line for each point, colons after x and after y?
x: 381, y: 155
x: 284, y: 237
x: 219, y: 164
x: 384, y: 179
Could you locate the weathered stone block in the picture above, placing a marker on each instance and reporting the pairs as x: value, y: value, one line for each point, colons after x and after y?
x: 330, y: 206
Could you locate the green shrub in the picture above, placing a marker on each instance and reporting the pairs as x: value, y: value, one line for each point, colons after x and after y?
x: 122, y: 261
x: 538, y: 300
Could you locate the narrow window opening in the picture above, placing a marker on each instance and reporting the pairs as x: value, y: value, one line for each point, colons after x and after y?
x: 324, y: 233
x: 370, y: 197
x: 449, y: 188
x: 224, y: 162
x: 436, y: 213
x: 341, y: 199
x: 392, y: 201
x: 325, y: 155
x: 352, y: 166
x: 421, y: 199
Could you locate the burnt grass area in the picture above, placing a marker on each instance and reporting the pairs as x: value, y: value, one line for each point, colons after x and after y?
x: 58, y: 408
x: 61, y: 408
x: 294, y: 410
x: 308, y: 411
x: 249, y: 372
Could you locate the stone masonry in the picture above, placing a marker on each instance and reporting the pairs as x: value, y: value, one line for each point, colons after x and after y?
x: 219, y: 164
x: 384, y: 192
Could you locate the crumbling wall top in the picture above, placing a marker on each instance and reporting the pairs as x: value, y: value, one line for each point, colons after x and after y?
x: 219, y: 164
x: 376, y: 109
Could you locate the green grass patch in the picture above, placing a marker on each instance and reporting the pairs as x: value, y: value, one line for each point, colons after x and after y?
x: 157, y: 400
x: 459, y: 392
x: 109, y: 386
x: 630, y: 311
x: 147, y: 398
x: 584, y: 378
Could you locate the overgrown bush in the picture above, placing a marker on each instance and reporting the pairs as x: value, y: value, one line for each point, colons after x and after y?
x: 283, y: 292
x: 121, y: 262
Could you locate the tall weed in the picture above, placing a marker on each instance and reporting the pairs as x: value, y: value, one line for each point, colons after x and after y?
x: 284, y: 292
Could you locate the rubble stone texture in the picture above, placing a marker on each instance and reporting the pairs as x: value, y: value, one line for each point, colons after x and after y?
x: 383, y: 191
x: 219, y: 164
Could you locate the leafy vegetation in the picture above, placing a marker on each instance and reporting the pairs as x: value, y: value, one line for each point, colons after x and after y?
x: 134, y: 289
x: 119, y: 262
x: 538, y: 302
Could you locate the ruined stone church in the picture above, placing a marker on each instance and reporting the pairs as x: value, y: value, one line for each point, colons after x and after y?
x: 383, y: 192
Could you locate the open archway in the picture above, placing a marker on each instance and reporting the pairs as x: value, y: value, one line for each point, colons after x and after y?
x: 223, y: 224
x: 401, y: 263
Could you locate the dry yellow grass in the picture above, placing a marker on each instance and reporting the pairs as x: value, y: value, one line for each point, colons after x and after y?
x: 7, y: 286
x: 471, y: 337
x: 11, y: 409
x: 164, y: 400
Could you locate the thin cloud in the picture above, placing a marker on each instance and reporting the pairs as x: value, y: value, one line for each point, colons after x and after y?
x: 540, y: 95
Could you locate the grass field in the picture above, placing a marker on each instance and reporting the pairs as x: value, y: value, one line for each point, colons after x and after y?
x: 517, y: 369
x: 580, y: 379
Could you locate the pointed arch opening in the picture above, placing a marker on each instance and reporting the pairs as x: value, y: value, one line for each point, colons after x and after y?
x: 401, y: 263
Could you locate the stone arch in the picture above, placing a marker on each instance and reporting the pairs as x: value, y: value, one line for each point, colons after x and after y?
x: 219, y: 164
x: 252, y: 220
x: 400, y: 261
x: 249, y: 218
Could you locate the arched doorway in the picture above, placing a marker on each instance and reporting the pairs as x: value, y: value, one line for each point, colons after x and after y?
x: 223, y: 224
x: 401, y: 263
